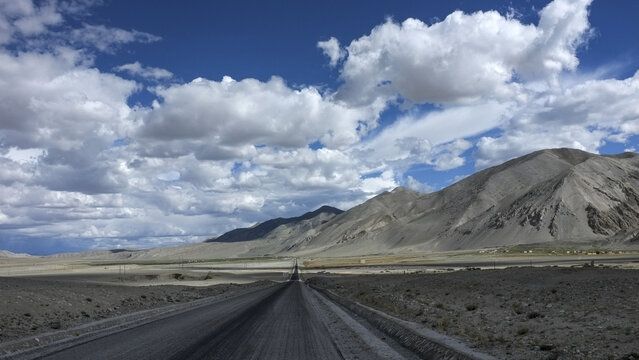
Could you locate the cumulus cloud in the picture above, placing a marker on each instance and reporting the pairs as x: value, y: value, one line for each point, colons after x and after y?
x: 56, y: 102
x: 584, y: 117
x: 308, y: 169
x: 147, y: 72
x: 563, y: 27
x: 463, y: 58
x: 249, y: 112
x: 23, y: 17
x: 332, y: 49
x: 26, y: 19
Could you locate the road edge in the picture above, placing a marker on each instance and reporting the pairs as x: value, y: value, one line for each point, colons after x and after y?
x: 424, y: 342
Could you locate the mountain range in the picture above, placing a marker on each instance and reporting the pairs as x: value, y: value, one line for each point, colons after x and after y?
x: 555, y: 197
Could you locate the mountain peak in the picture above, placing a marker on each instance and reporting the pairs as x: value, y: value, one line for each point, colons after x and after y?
x: 572, y: 156
x: 403, y: 190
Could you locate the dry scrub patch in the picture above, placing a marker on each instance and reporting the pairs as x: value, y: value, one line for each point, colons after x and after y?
x: 515, y: 313
x: 31, y: 306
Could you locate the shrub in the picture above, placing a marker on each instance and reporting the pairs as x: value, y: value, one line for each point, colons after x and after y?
x: 518, y: 308
x: 533, y: 315
x: 442, y: 323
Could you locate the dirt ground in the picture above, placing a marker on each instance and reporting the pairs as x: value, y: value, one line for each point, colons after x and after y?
x: 34, y: 306
x: 515, y: 313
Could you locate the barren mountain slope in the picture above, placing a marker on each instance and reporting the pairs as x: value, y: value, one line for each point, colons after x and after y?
x: 553, y: 196
x: 278, y: 225
x: 9, y: 254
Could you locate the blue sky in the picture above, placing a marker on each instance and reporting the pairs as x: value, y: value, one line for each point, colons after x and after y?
x: 147, y: 123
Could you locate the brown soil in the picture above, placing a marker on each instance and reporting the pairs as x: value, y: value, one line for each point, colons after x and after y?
x: 515, y: 313
x: 34, y: 306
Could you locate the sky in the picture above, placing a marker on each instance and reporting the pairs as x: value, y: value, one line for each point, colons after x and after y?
x: 136, y: 124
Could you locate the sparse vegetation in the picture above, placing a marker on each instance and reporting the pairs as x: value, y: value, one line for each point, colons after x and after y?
x: 518, y: 308
x: 442, y: 323
x: 531, y: 313
x: 30, y: 307
x: 546, y: 347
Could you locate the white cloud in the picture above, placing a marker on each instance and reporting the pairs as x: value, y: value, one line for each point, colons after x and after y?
x: 463, y: 58
x: 332, y: 49
x: 107, y: 39
x: 563, y: 27
x: 421, y: 139
x: 37, y: 19
x: 20, y: 19
x: 375, y: 185
x: 146, y: 72
x: 447, y: 156
x: 584, y: 116
x: 212, y: 118
x: 418, y: 186
x: 309, y: 169
x: 24, y: 18
x: 57, y: 103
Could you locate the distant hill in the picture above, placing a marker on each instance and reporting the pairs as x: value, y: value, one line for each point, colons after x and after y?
x: 263, y: 229
x: 9, y: 254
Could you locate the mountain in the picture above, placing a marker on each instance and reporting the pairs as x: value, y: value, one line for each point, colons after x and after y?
x: 258, y: 231
x: 555, y: 197
x: 9, y: 254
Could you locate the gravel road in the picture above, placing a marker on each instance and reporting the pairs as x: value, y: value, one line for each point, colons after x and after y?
x: 284, y: 321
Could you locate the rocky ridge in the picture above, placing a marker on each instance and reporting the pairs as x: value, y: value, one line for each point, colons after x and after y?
x: 556, y: 197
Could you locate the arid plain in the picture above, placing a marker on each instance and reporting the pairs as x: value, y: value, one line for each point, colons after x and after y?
x: 564, y: 306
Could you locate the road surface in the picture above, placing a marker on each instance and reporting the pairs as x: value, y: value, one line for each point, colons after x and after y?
x: 285, y: 321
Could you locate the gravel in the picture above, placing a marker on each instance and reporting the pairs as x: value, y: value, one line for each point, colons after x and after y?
x: 515, y: 313
x: 34, y: 306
